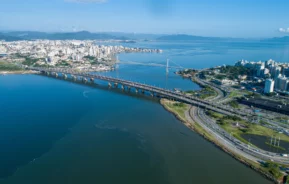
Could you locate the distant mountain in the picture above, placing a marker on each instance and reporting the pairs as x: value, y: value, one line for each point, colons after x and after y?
x: 8, y: 38
x: 82, y: 35
x: 27, y: 35
x: 284, y: 39
x: 135, y: 36
x: 184, y: 37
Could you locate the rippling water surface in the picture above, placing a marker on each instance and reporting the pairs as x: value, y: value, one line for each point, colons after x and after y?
x: 54, y: 131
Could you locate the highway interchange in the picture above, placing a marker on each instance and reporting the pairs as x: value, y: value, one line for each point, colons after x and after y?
x: 226, y: 139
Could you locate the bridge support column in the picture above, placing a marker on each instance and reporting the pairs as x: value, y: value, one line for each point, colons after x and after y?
x: 152, y: 94
x: 109, y: 84
x: 73, y: 77
x: 115, y: 85
x: 136, y: 90
x: 128, y: 88
x: 64, y: 76
x: 92, y: 80
x: 84, y: 79
x: 122, y: 87
x: 56, y: 74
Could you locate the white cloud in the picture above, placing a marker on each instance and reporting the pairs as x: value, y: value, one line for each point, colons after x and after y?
x: 284, y: 30
x: 86, y: 1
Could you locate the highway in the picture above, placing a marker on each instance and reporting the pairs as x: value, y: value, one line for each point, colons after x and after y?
x: 229, y: 141
x: 232, y: 143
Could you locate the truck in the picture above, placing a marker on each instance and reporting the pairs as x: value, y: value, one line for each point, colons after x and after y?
x: 284, y: 155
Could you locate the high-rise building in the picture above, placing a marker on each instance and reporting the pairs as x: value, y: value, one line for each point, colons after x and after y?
x: 260, y: 68
x: 286, y: 72
x: 281, y: 83
x: 275, y: 71
x: 269, y: 86
x: 266, y: 71
x: 269, y: 62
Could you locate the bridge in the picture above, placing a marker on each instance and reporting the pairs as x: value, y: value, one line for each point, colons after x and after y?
x: 139, y: 87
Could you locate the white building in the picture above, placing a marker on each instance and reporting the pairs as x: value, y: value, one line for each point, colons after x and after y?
x: 281, y: 83
x: 260, y: 68
x: 266, y: 71
x: 269, y: 62
x: 275, y: 71
x: 269, y: 86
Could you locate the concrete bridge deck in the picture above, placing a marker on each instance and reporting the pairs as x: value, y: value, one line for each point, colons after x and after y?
x: 152, y: 89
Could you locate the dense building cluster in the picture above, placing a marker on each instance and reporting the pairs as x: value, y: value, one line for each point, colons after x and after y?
x: 53, y: 51
x: 275, y: 73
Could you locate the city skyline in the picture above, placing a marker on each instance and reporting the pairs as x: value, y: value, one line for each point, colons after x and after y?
x: 204, y: 18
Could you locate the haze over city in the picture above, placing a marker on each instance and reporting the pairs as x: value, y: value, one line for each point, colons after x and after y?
x: 224, y: 18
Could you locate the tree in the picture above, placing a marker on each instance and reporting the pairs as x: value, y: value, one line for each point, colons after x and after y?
x: 273, y: 168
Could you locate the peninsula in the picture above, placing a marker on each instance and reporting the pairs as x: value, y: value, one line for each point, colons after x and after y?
x: 262, y: 141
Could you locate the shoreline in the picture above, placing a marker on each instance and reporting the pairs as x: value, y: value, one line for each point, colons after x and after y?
x: 17, y: 72
x: 193, y: 127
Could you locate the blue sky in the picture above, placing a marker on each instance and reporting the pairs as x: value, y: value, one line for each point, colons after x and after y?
x: 233, y: 18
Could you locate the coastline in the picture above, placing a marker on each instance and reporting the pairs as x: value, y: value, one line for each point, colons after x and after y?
x: 18, y: 72
x: 193, y: 125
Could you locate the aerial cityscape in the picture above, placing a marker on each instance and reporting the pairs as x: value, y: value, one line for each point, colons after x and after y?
x: 147, y: 94
x: 75, y: 53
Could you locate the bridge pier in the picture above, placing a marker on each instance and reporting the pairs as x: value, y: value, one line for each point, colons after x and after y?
x: 56, y: 74
x: 122, y: 87
x: 109, y: 84
x: 64, y: 76
x: 128, y: 88
x: 73, y: 77
x: 84, y: 79
x: 115, y: 85
x: 136, y: 90
x: 92, y: 80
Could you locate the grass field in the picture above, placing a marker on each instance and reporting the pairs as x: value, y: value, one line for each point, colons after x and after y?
x: 4, y: 66
x: 244, y: 128
x: 177, y: 107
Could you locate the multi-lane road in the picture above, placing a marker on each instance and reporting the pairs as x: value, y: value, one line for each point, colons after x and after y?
x: 233, y: 144
x: 225, y: 138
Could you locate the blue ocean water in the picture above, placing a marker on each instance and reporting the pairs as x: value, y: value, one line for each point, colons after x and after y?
x: 55, y: 131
